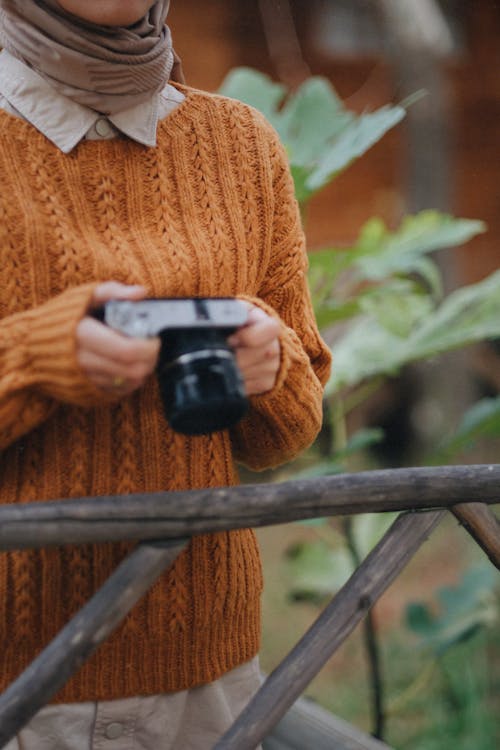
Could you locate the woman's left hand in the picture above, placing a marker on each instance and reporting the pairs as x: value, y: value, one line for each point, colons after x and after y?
x: 257, y: 349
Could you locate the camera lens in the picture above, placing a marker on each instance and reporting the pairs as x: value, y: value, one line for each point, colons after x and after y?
x: 200, y: 384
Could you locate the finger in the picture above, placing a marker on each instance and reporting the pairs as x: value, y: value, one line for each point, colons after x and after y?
x: 121, y: 386
x: 101, y: 349
x: 116, y: 290
x: 117, y: 385
x: 104, y: 372
x: 103, y: 375
x: 259, y: 332
x: 259, y: 385
x: 96, y: 337
x: 261, y: 375
x: 260, y: 370
x: 263, y: 355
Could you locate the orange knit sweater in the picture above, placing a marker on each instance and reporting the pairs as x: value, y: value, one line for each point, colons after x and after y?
x: 208, y: 212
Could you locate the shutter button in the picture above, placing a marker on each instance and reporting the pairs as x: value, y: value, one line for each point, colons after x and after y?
x: 103, y: 127
x: 114, y: 730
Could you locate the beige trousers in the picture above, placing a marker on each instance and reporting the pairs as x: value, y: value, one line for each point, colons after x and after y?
x: 189, y: 720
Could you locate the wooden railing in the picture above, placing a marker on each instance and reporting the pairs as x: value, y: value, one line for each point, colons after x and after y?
x: 162, y: 523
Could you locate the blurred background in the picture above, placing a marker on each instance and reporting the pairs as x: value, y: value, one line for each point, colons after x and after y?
x: 363, y: 49
x: 444, y: 155
x: 441, y: 684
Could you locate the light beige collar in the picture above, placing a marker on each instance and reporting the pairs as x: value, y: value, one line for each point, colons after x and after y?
x: 64, y: 121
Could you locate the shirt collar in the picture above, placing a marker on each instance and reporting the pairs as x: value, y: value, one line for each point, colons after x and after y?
x: 64, y: 121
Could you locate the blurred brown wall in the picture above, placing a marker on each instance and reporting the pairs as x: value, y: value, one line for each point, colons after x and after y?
x: 214, y: 37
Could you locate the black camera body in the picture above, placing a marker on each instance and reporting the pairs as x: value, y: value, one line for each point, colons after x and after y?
x: 200, y: 384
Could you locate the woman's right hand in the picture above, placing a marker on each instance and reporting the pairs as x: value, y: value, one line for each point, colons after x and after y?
x: 111, y: 361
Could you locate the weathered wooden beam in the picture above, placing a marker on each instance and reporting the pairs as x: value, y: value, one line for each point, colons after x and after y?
x: 167, y: 515
x: 484, y: 527
x: 336, y: 622
x: 307, y: 725
x: 83, y: 634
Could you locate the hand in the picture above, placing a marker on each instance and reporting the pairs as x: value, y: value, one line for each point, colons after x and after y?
x: 109, y: 359
x: 257, y: 349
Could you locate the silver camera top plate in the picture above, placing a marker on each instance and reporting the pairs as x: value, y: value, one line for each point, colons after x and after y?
x: 147, y: 318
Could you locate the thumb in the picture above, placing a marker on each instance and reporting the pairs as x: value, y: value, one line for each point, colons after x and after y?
x: 116, y: 290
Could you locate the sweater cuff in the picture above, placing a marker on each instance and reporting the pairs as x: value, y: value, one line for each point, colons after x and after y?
x: 51, y: 348
x: 285, y: 420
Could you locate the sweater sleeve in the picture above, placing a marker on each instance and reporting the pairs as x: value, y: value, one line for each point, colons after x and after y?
x: 284, y: 421
x: 38, y: 364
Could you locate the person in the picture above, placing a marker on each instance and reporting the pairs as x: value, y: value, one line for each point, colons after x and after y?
x: 121, y: 183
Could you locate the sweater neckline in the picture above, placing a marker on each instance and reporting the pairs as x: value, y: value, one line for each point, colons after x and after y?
x: 176, y: 121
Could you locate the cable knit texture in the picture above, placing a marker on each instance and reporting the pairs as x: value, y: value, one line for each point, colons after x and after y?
x: 209, y: 212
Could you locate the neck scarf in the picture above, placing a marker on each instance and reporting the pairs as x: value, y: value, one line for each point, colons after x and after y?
x: 108, y: 69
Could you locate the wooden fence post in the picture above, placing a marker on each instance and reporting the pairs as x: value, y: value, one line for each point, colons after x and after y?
x: 336, y: 622
x: 83, y: 634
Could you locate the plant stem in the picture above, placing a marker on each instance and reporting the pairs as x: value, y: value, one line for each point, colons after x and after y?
x: 419, y: 684
x: 339, y: 426
x: 369, y: 627
x: 363, y: 393
x: 371, y: 644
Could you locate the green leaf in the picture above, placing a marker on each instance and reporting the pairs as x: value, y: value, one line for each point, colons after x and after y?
x: 381, y: 253
x: 481, y: 421
x: 255, y: 89
x: 356, y: 138
x: 396, y: 306
x: 313, y: 522
x: 419, y: 619
x: 330, y: 312
x: 469, y: 314
x: 320, y: 469
x: 361, y: 440
x: 310, y: 119
x: 320, y: 135
x: 325, y: 268
x: 365, y: 351
x: 483, y: 417
x: 338, y: 277
x: 459, y: 612
x: 330, y: 262
x: 430, y: 273
x: 368, y: 349
x: 372, y: 237
x: 317, y: 569
x: 369, y: 528
x: 300, y: 175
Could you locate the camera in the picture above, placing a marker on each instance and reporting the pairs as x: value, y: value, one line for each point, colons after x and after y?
x: 201, y: 387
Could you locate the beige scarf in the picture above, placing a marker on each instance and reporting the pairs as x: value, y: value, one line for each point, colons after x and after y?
x: 108, y: 69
